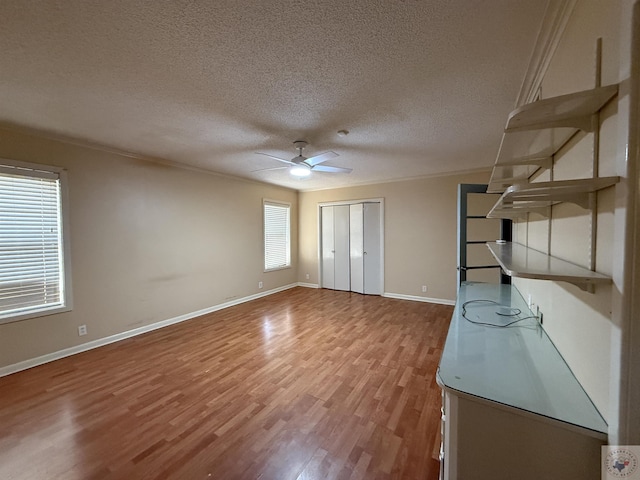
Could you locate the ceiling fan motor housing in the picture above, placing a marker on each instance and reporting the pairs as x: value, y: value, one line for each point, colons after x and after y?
x: 299, y: 145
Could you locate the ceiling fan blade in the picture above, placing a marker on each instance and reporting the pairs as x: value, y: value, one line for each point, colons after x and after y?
x: 327, y: 168
x: 323, y: 157
x: 276, y: 158
x: 266, y: 169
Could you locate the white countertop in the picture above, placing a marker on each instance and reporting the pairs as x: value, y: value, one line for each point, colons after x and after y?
x: 516, y: 366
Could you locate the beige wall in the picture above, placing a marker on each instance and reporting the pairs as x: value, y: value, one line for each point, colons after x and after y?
x: 419, y: 232
x: 580, y: 323
x: 149, y: 242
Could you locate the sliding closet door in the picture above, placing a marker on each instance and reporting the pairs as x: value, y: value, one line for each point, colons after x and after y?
x: 328, y: 249
x: 357, y: 247
x: 352, y: 247
x: 335, y: 247
x: 372, y: 251
x: 342, y: 275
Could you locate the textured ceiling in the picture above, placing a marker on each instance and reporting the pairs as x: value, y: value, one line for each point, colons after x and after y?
x: 423, y: 86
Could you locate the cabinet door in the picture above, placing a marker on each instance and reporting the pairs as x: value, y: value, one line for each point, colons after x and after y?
x: 342, y: 280
x: 357, y: 247
x: 328, y: 248
x: 372, y: 252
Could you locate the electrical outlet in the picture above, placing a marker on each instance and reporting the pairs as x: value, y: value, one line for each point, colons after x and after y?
x: 424, y: 289
x: 82, y: 330
x: 307, y: 276
x: 259, y: 284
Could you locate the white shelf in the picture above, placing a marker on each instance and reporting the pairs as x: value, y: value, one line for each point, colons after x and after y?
x: 536, y: 197
x: 519, y: 261
x: 533, y: 135
x: 535, y: 132
x: 572, y: 110
x: 508, y: 173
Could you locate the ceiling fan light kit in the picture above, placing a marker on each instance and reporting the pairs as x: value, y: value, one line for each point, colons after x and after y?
x: 302, y: 166
x: 300, y: 170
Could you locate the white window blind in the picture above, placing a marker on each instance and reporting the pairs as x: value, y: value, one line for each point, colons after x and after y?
x: 277, y: 236
x: 31, y: 253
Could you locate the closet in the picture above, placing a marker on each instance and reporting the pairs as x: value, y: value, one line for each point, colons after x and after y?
x: 351, y: 247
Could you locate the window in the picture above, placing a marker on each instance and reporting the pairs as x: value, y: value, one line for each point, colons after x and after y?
x: 277, y: 235
x: 33, y: 277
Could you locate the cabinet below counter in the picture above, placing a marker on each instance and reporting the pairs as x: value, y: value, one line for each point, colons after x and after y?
x: 512, y: 408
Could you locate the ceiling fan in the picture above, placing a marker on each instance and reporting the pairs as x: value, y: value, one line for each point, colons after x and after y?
x: 302, y: 166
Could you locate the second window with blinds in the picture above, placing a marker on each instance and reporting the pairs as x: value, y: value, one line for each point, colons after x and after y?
x: 277, y: 235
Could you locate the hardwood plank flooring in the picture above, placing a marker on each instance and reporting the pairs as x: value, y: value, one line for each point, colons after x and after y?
x: 304, y: 384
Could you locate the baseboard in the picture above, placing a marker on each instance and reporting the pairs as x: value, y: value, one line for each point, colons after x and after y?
x: 416, y: 298
x: 67, y: 352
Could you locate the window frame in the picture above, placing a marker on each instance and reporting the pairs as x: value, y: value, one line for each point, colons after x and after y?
x: 8, y: 166
x: 276, y: 203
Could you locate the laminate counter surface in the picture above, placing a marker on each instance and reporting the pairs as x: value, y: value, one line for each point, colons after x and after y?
x: 516, y: 366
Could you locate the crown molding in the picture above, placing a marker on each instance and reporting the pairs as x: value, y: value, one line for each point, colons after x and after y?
x: 555, y: 20
x: 448, y: 173
x: 100, y: 147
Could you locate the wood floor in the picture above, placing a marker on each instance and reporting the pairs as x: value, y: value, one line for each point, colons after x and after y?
x: 304, y: 384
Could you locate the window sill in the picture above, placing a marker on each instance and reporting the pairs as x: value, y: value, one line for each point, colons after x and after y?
x: 35, y: 314
x: 286, y: 267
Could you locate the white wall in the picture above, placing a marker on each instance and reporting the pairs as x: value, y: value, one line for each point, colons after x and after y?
x: 581, y: 324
